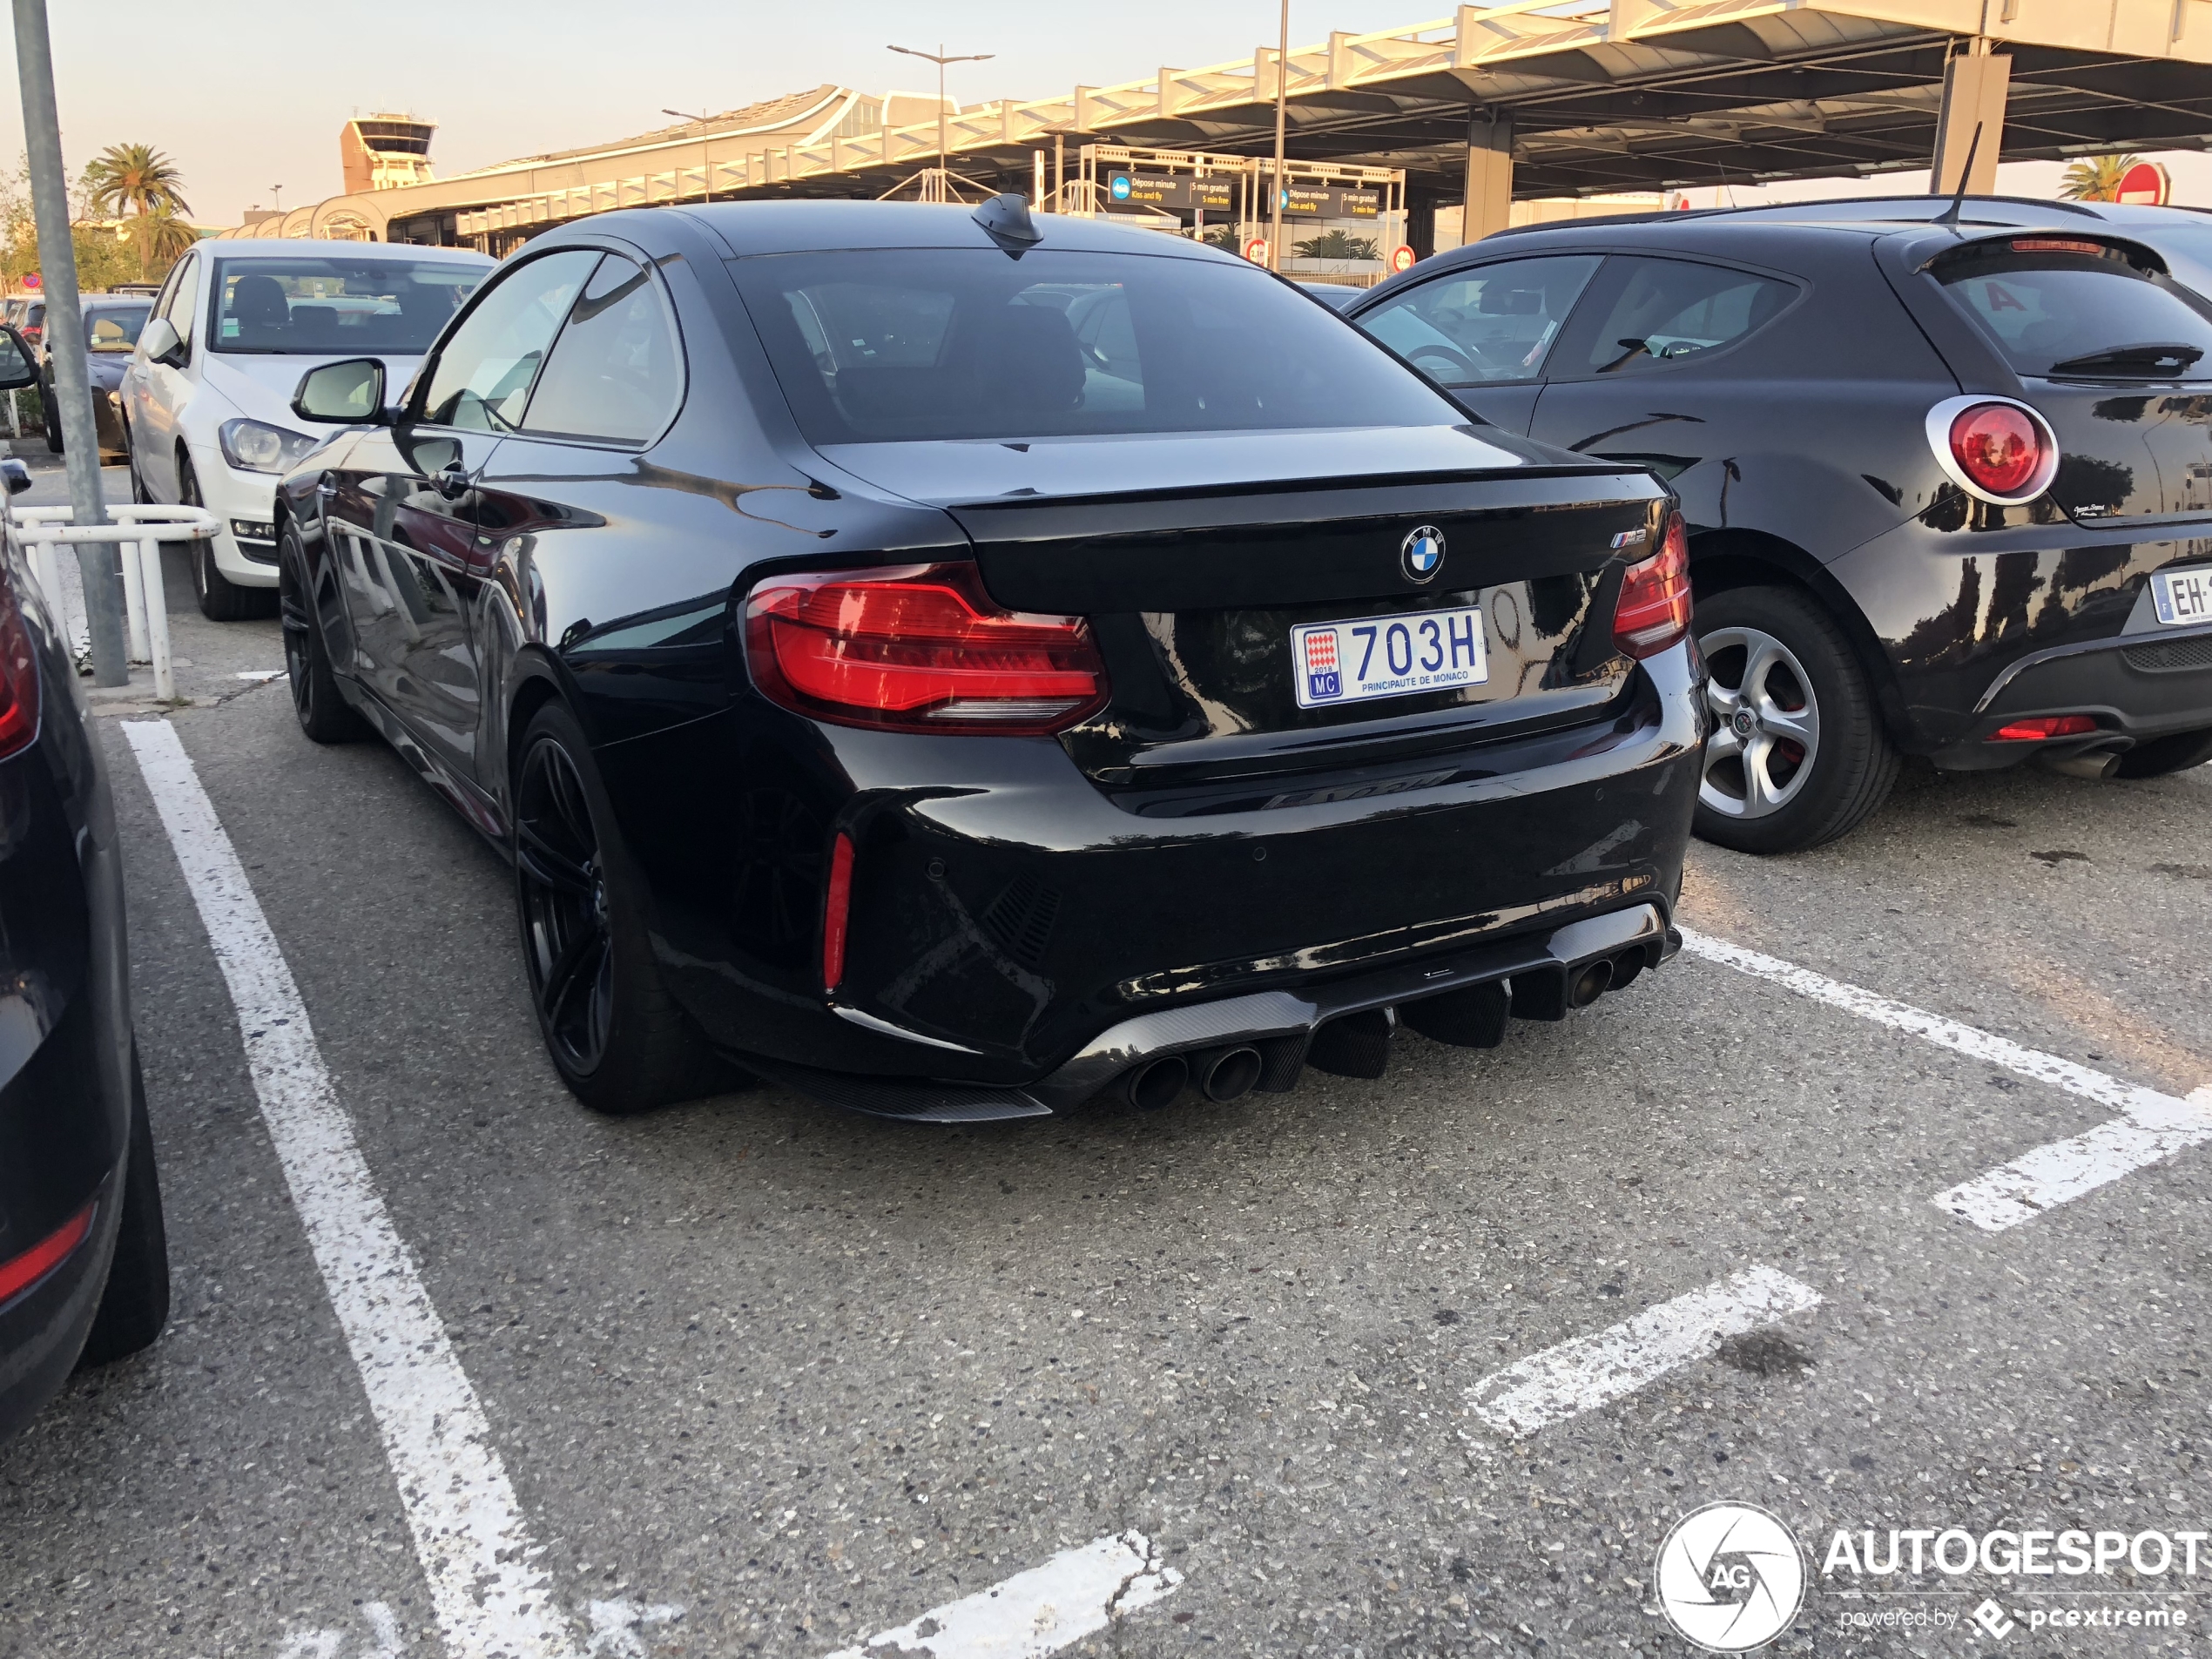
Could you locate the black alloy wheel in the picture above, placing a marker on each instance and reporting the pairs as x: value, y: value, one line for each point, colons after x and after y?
x: 1797, y: 755
x: 323, y: 711
x: 616, y: 1037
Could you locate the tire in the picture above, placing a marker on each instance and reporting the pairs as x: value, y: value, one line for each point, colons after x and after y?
x: 324, y: 714
x: 135, y: 1305
x: 616, y: 1037
x: 1806, y: 758
x: 2161, y: 756
x: 220, y: 598
x: 53, y: 437
x: 139, y: 493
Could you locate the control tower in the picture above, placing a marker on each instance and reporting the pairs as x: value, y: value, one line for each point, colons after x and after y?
x: 385, y: 150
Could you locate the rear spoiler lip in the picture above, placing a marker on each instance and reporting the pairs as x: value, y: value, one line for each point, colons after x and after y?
x: 2138, y: 251
x: 1629, y: 477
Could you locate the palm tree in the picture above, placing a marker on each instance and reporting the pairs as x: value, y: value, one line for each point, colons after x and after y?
x: 2096, y: 179
x: 164, y: 238
x: 134, y: 177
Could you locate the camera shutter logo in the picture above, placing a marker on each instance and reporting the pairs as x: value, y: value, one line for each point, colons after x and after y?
x: 1730, y: 1577
x: 1422, y: 552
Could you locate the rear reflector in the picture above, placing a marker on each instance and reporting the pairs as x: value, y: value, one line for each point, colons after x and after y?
x: 1653, y: 611
x: 18, y: 676
x: 23, y: 1271
x: 2049, y: 726
x: 837, y: 908
x: 919, y: 648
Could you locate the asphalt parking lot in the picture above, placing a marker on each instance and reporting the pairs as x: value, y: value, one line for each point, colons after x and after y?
x: 763, y: 1378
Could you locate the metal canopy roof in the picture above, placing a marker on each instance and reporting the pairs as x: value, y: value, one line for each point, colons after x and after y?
x: 1612, y: 95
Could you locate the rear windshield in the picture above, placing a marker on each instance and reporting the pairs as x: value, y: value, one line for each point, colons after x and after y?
x: 877, y: 346
x: 2073, y: 308
x: 326, y: 305
x: 115, y: 329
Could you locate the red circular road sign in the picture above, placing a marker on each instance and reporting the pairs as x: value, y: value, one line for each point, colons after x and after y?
x: 34, y: 282
x: 2145, y: 182
x: 1256, y: 250
x: 1401, y: 259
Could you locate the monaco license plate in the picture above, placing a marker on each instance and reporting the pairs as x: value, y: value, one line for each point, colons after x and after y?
x: 1372, y: 656
x: 2182, y: 597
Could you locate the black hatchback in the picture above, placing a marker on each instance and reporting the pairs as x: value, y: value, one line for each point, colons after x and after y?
x: 957, y: 663
x: 1948, y: 488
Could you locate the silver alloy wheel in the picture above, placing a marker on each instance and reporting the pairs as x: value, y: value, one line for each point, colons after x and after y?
x: 1766, y: 727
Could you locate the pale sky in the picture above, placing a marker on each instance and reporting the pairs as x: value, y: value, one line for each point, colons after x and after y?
x: 243, y: 97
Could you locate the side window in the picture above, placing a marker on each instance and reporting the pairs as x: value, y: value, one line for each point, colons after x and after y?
x: 1490, y: 324
x: 1650, y: 314
x: 483, y: 375
x: 183, y: 304
x: 615, y: 371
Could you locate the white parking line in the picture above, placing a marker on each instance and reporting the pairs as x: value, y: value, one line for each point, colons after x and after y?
x: 2152, y: 1125
x: 1586, y: 1371
x: 1076, y: 1593
x: 492, y: 1600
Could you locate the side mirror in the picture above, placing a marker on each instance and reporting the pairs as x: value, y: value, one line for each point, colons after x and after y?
x: 159, y: 340
x: 16, y: 474
x: 347, y: 394
x: 17, y: 367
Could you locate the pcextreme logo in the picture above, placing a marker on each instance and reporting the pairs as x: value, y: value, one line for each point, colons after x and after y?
x: 1730, y: 1577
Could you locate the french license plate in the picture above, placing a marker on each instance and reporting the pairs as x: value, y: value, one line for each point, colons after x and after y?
x: 2182, y: 597
x: 1372, y: 656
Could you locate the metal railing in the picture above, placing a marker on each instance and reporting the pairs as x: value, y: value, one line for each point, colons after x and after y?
x: 140, y: 531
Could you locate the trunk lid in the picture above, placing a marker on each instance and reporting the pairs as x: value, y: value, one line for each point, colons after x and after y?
x: 1209, y: 550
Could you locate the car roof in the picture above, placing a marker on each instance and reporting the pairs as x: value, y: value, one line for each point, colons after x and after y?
x: 316, y: 247
x: 746, y: 229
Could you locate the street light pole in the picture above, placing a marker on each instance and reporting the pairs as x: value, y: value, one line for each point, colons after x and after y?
x: 940, y: 59
x: 1282, y: 115
x: 64, y: 337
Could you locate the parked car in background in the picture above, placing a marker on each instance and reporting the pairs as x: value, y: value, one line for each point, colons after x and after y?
x: 111, y: 325
x: 1336, y: 295
x: 26, y: 315
x: 205, y: 399
x: 84, y: 1262
x: 1946, y: 486
x: 882, y: 689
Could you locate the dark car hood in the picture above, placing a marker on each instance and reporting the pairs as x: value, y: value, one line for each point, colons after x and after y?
x: 944, y: 473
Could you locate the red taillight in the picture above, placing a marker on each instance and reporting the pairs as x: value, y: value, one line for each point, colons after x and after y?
x: 21, y: 1273
x: 18, y: 676
x: 1997, y: 446
x: 2049, y: 726
x: 837, y: 907
x: 1653, y: 611
x: 919, y: 648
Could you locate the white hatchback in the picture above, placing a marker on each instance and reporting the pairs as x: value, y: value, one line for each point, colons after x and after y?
x: 207, y: 398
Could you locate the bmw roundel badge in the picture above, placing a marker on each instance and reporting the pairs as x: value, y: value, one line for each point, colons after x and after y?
x: 1422, y: 552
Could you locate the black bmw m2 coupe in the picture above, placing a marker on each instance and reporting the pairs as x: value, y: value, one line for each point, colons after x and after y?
x: 955, y: 663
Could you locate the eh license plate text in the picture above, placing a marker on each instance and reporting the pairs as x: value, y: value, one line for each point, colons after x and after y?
x: 2182, y: 597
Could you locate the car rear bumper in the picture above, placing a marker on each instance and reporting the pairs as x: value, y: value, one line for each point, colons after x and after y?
x: 2138, y: 687
x: 1280, y: 1024
x: 1008, y: 916
x: 43, y: 1327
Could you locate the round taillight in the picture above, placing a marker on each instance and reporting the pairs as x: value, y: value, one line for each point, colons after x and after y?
x: 1997, y: 446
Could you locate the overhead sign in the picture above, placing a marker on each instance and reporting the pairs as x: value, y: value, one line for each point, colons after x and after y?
x: 1165, y: 194
x: 2144, y: 184
x: 1301, y: 201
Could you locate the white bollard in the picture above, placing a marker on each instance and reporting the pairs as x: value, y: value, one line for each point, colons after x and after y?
x: 134, y: 601
x: 148, y: 555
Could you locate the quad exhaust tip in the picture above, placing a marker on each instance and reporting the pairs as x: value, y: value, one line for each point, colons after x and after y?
x: 1590, y: 982
x: 1230, y: 1075
x: 1150, y: 1088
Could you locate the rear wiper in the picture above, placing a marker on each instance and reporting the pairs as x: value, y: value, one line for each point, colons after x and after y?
x: 2150, y: 361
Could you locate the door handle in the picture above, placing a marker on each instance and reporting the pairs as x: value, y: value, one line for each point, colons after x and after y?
x: 452, y: 481
x: 326, y: 490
